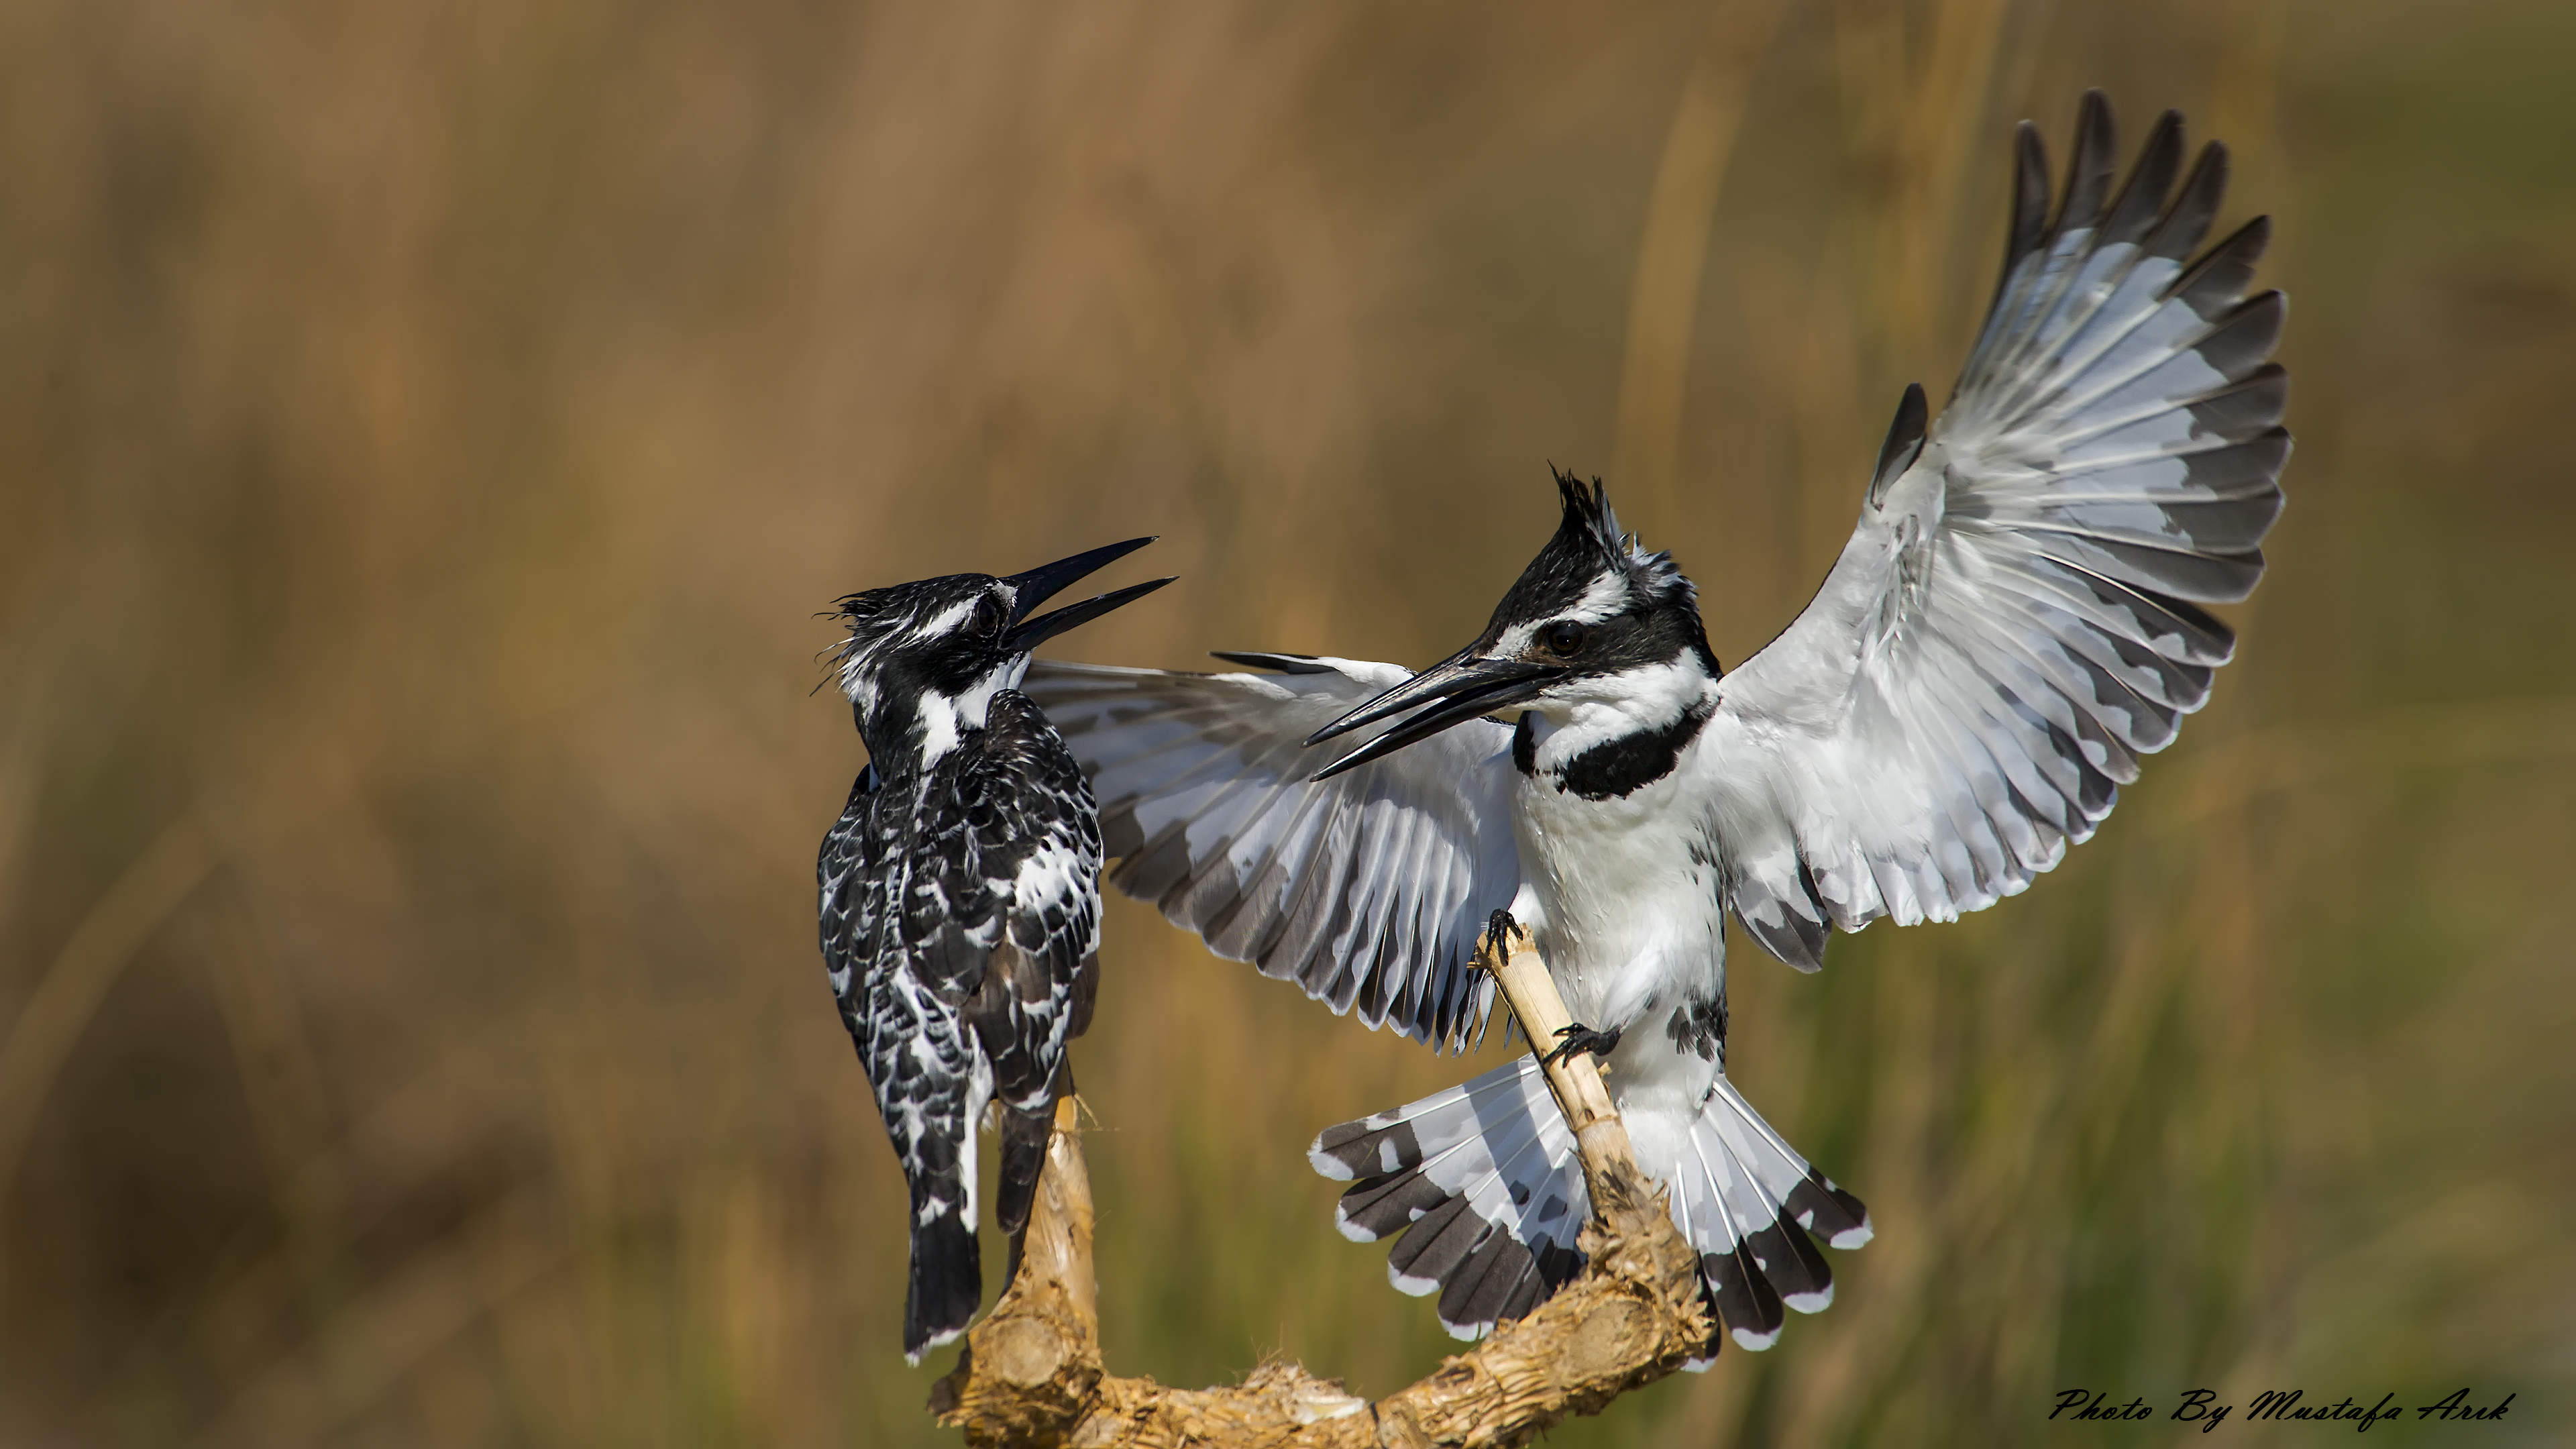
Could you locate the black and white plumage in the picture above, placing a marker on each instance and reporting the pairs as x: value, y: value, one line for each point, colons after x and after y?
x: 961, y: 900
x: 2015, y: 621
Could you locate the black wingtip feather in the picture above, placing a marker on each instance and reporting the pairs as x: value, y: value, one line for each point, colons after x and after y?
x: 1265, y: 659
x: 2219, y: 279
x: 2030, y: 194
x: 2245, y: 337
x: 1381, y: 975
x: 2029, y: 219
x: 1904, y: 442
x: 2250, y: 409
x: 1796, y: 941
x: 2089, y: 171
x: 2142, y: 196
x: 2194, y: 207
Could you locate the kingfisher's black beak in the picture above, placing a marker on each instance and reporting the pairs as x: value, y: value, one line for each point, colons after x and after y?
x: 1460, y: 687
x: 1047, y: 580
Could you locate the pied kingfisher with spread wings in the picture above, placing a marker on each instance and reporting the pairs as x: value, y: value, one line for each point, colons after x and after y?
x: 961, y: 900
x: 2014, y: 622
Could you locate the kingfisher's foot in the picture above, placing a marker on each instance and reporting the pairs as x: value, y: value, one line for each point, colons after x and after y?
x: 1581, y: 1038
x: 1500, y: 928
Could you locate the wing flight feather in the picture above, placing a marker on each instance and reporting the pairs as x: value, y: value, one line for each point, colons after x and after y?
x: 2017, y: 617
x: 1368, y: 889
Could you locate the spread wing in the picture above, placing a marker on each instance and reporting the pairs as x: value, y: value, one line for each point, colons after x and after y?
x: 2015, y: 620
x: 1368, y: 889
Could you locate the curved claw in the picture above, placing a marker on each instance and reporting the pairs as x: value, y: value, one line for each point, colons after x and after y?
x: 1581, y: 1038
x: 1500, y: 928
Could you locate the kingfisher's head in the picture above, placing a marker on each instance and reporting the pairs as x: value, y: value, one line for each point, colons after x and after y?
x: 1594, y: 623
x: 924, y: 660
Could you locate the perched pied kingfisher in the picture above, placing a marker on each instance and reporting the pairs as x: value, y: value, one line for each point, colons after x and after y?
x: 961, y: 900
x: 2014, y: 622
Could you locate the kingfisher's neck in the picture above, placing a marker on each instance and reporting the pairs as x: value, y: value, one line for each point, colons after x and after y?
x: 1626, y: 738
x: 913, y: 735
x: 913, y: 723
x: 895, y: 747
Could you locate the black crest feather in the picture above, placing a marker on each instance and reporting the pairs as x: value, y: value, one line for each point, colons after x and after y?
x: 1589, y: 519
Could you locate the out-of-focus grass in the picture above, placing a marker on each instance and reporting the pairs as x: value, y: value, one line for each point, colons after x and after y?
x: 427, y: 431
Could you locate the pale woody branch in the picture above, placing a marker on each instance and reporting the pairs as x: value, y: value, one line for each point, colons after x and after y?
x: 1031, y: 1373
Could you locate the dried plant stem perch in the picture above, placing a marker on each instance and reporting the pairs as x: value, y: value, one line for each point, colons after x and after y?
x: 1031, y: 1373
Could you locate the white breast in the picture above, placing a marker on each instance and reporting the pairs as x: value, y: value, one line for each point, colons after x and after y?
x: 1623, y: 895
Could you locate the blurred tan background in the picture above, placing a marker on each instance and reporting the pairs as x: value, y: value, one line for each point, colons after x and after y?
x: 428, y: 431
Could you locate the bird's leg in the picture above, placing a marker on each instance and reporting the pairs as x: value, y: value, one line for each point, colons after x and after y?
x: 1581, y: 1038
x: 1500, y: 928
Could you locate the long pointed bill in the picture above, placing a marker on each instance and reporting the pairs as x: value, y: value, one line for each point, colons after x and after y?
x: 1046, y: 626
x: 1460, y: 687
x: 1044, y: 582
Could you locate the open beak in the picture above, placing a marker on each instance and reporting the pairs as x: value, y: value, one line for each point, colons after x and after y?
x: 1459, y: 687
x: 1047, y: 580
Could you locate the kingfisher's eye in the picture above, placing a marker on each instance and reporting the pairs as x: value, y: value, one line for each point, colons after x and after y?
x: 988, y: 615
x: 1564, y: 637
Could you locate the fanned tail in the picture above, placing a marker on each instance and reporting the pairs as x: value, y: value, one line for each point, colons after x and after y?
x: 1747, y: 1201
x: 1485, y: 1179
x: 1484, y: 1185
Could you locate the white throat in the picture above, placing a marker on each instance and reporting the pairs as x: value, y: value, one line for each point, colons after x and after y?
x: 945, y: 721
x: 1588, y: 713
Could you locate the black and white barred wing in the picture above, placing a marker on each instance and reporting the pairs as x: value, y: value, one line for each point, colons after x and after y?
x: 1368, y: 889
x: 852, y: 892
x: 920, y: 1055
x: 900, y: 1003
x: 2015, y: 620
x: 1029, y: 903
